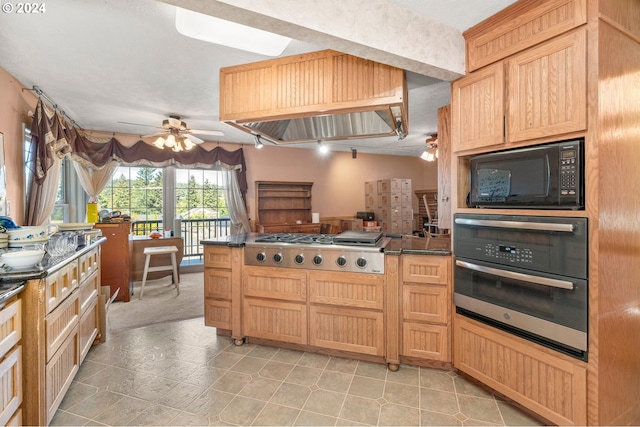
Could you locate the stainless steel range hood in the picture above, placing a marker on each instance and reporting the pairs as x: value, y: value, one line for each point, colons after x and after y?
x: 321, y: 96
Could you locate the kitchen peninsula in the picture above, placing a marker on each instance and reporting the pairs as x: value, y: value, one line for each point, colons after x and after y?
x: 334, y: 298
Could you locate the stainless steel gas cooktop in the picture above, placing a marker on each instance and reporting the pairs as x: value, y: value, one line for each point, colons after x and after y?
x: 352, y: 251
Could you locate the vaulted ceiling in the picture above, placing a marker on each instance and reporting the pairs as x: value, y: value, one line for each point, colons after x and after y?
x: 112, y: 63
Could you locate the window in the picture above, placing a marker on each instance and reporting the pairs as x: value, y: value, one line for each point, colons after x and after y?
x: 134, y: 191
x: 200, y: 194
x: 190, y: 202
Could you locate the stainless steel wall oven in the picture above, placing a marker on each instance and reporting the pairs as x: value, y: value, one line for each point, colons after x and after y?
x: 526, y: 275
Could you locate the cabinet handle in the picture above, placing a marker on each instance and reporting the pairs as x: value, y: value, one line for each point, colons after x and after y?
x: 545, y: 281
x: 445, y: 198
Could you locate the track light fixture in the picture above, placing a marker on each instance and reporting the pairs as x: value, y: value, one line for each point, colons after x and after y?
x: 354, y: 153
x: 431, y: 152
x: 323, y: 148
x: 258, y: 140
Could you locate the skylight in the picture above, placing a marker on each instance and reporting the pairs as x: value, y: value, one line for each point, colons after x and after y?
x: 215, y: 30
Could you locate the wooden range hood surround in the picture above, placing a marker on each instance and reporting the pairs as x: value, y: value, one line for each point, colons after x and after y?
x: 325, y: 95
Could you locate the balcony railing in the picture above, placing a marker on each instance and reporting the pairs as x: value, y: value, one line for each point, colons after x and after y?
x: 191, y: 230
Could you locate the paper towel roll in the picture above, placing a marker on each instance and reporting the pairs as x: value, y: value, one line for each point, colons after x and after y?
x: 315, y: 217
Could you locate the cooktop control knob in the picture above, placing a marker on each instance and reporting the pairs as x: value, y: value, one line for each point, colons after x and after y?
x: 341, y: 261
x: 299, y: 259
x: 277, y: 257
x: 261, y: 256
x: 317, y: 260
x: 361, y: 262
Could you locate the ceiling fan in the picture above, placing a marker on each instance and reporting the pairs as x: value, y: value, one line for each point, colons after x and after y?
x: 173, y: 125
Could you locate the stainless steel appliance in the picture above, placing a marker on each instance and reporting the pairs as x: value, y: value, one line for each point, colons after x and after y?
x: 353, y: 251
x: 526, y: 275
x: 549, y: 176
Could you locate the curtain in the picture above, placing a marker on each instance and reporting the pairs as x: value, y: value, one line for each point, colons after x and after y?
x: 93, y: 180
x: 51, y: 138
x: 235, y: 203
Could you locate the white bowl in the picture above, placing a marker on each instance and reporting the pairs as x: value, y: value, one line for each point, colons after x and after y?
x: 31, y: 233
x: 22, y: 259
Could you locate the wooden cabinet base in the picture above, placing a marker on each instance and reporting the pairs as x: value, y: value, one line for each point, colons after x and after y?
x: 550, y: 384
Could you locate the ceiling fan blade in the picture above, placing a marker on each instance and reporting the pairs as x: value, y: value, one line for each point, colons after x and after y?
x: 156, y: 134
x: 206, y: 132
x: 140, y: 124
x: 193, y: 139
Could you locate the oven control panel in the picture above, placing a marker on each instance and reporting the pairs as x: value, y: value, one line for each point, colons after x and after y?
x: 514, y: 254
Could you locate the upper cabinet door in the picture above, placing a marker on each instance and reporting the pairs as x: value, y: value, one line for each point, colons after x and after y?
x: 444, y: 167
x: 477, y: 109
x: 547, y: 88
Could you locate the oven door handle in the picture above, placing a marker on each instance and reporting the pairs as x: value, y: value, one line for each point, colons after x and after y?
x: 545, y: 281
x: 520, y: 225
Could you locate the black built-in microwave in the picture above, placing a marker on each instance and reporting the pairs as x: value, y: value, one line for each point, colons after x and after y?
x: 548, y: 176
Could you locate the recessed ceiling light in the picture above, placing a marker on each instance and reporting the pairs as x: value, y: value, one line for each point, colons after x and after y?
x: 215, y: 30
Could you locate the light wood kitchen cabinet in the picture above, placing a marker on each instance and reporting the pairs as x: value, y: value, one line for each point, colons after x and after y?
x: 275, y: 304
x: 477, y: 109
x: 535, y: 93
x: 426, y: 307
x: 11, y: 363
x: 552, y: 385
x: 115, y: 269
x: 222, y: 289
x: 569, y: 39
x: 345, y: 312
x: 61, y: 328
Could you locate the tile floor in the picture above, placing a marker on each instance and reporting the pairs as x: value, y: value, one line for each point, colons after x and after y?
x: 181, y: 373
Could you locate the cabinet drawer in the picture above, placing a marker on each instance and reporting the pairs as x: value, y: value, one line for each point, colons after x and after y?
x: 88, y: 291
x: 427, y: 303
x: 60, y: 284
x: 425, y: 341
x: 11, y: 385
x: 60, y: 371
x: 276, y: 283
x: 10, y: 327
x: 217, y: 313
x: 426, y: 269
x: 359, y: 331
x: 275, y: 320
x: 88, y: 328
x: 344, y: 289
x: 217, y: 283
x: 217, y: 256
x: 88, y: 263
x: 60, y: 322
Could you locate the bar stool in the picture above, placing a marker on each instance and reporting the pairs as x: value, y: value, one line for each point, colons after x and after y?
x: 160, y: 250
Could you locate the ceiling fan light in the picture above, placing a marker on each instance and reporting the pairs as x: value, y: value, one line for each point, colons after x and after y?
x: 159, y: 142
x: 188, y: 144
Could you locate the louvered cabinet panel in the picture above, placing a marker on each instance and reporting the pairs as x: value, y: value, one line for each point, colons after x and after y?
x: 548, y: 89
x: 10, y: 384
x: 426, y: 303
x: 477, y: 109
x: 346, y: 289
x: 59, y: 324
x: 217, y: 313
x: 425, y: 341
x: 60, y: 284
x: 88, y: 328
x: 426, y: 269
x: 275, y: 283
x: 60, y: 371
x: 359, y: 331
x: 217, y: 257
x: 546, y: 382
x: 275, y: 320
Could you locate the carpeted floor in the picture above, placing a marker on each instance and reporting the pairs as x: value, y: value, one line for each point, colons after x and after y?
x: 159, y: 303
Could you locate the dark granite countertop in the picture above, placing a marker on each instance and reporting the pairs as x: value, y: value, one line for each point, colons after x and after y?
x: 397, y: 245
x: 47, y: 266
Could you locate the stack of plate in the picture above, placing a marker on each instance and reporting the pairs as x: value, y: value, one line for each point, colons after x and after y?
x: 4, y: 240
x: 75, y: 226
